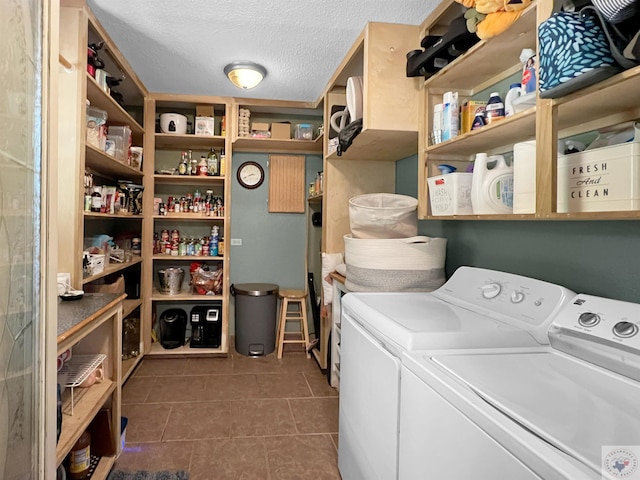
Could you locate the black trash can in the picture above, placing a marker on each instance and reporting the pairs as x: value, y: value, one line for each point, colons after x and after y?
x: 256, y: 317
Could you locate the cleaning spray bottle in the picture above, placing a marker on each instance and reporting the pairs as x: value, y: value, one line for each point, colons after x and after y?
x: 491, y: 188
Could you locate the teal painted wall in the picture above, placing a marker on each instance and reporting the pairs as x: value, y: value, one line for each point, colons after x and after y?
x: 273, y: 246
x: 596, y: 257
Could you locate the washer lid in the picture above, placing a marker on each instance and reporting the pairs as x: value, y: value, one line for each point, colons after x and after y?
x: 420, y: 321
x: 573, y: 405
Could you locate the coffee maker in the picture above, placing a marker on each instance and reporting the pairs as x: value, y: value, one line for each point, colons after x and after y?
x: 173, y: 326
x: 206, y: 325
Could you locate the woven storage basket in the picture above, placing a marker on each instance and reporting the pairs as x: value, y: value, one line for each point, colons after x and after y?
x: 394, y: 265
x: 383, y: 215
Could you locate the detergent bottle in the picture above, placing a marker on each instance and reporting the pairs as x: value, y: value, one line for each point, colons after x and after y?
x: 491, y: 188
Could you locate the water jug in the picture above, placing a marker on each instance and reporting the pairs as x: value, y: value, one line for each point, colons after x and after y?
x: 491, y: 188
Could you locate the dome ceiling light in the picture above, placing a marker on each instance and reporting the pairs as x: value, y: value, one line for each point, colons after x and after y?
x: 245, y: 75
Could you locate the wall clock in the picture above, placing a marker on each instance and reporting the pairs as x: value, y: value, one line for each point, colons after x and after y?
x: 250, y: 175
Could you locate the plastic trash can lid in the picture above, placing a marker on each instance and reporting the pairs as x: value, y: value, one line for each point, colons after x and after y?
x: 254, y: 289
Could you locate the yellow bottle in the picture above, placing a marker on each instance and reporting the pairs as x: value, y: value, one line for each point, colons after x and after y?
x: 223, y: 163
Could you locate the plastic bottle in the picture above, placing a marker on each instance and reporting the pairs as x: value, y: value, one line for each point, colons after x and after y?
x: 183, y: 166
x: 450, y: 115
x: 491, y: 189
x: 203, y: 167
x: 528, y: 60
x: 515, y: 90
x: 494, y: 109
x: 80, y: 457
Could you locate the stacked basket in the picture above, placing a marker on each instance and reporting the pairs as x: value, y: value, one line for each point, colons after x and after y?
x: 384, y: 252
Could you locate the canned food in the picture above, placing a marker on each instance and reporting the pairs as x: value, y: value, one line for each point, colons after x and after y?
x: 175, y: 236
x: 164, y: 235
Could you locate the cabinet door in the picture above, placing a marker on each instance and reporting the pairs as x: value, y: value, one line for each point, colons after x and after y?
x: 286, y: 184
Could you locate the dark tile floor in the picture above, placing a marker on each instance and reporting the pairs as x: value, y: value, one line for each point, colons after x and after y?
x: 231, y: 418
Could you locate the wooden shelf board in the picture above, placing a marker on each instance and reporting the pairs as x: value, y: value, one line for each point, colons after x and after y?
x: 158, y: 350
x: 156, y: 296
x: 105, y: 164
x: 187, y: 258
x: 128, y: 366
x: 104, y: 468
x: 609, y: 97
x: 517, y: 128
x: 85, y: 409
x: 102, y: 216
x: 129, y: 306
x: 315, y: 199
x: 112, y: 268
x: 248, y: 144
x: 621, y: 215
x: 117, y: 115
x: 508, y: 217
x: 481, y: 62
x: 194, y: 217
x: 384, y: 145
x: 170, y: 141
x: 187, y: 180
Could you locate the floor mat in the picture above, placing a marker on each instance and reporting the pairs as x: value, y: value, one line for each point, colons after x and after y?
x: 145, y: 475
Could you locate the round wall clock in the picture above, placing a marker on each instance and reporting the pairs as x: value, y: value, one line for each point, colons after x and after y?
x: 250, y: 175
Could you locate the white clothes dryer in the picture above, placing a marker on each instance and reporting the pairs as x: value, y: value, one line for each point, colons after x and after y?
x: 476, y: 308
x: 568, y: 411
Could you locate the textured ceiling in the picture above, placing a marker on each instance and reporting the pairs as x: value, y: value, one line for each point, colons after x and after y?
x: 183, y: 46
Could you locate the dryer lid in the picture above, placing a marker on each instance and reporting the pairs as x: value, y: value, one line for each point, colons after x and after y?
x: 573, y: 405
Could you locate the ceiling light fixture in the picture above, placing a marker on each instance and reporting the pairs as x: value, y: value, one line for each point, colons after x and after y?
x: 245, y: 75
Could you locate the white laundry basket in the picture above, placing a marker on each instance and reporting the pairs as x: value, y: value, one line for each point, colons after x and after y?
x: 394, y: 265
x: 383, y: 215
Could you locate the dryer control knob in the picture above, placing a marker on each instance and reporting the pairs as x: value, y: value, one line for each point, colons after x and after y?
x: 625, y: 329
x: 517, y: 296
x: 589, y: 319
x: 491, y: 290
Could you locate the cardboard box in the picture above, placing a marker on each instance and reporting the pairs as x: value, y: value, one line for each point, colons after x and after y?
x: 204, y: 111
x: 450, y: 194
x: 602, y: 179
x: 468, y: 113
x: 281, y: 131
x: 259, y: 127
x: 205, y: 126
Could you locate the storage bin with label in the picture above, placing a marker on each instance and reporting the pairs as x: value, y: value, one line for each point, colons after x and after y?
x: 303, y: 131
x: 603, y: 179
x: 450, y: 194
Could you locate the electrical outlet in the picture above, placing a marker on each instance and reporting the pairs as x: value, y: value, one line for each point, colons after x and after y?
x: 236, y: 241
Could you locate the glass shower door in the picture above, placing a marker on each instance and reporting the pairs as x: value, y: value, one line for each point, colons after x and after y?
x: 20, y: 249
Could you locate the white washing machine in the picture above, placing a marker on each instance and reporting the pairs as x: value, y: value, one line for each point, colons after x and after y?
x: 476, y: 308
x: 567, y: 411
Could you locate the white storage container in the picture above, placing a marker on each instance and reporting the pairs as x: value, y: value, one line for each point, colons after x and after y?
x: 524, y: 177
x: 394, y: 264
x: 450, y: 194
x: 383, y: 215
x: 603, y: 179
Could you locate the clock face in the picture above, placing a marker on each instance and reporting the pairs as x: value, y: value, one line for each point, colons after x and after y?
x: 250, y: 175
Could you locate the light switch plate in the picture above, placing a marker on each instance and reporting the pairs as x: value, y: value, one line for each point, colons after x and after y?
x: 236, y: 241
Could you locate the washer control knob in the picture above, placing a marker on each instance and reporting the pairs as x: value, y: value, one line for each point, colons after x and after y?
x: 625, y: 329
x: 589, y: 319
x: 491, y: 290
x: 517, y: 296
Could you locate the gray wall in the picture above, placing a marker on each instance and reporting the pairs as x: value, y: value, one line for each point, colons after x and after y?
x: 273, y: 246
x: 595, y: 257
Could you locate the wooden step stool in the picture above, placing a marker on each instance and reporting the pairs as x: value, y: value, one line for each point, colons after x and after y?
x: 297, y: 299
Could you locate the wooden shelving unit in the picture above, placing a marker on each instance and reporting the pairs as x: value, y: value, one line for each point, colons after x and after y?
x: 111, y: 268
x: 262, y: 145
x: 613, y: 101
x: 184, y: 295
